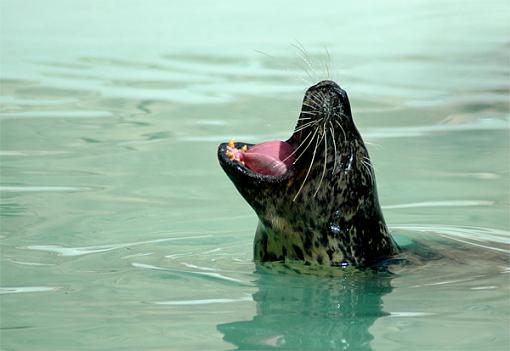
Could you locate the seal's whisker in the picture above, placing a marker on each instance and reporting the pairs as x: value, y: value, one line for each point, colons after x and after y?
x: 310, y: 77
x: 314, y: 101
x: 310, y: 106
x: 305, y: 126
x: 297, y: 148
x: 343, y: 131
x: 306, y: 148
x: 326, y: 104
x: 303, y: 54
x: 265, y: 54
x: 370, y: 174
x: 307, y: 68
x: 325, y: 136
x: 315, y: 105
x: 316, y: 97
x: 310, y: 80
x: 368, y: 168
x: 368, y: 160
x: 326, y: 67
x: 332, y: 68
x: 310, y: 122
x: 374, y: 144
x: 309, y: 168
x: 332, y: 131
x: 300, y: 129
x: 301, y: 79
x: 321, y: 98
x: 313, y: 113
x: 275, y: 59
x: 369, y: 164
x: 328, y: 63
x: 290, y: 71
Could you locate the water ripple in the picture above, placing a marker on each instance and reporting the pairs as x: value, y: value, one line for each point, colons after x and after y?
x: 451, y: 203
x: 85, y: 250
x: 31, y: 189
x: 56, y: 114
x: 418, y: 131
x: 214, y: 276
x: 26, y: 289
x: 464, y: 234
x: 32, y: 152
x: 203, y: 301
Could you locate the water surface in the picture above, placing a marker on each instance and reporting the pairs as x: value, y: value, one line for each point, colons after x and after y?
x: 120, y: 231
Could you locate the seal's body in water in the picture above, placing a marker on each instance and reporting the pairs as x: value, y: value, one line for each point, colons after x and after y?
x: 315, y: 194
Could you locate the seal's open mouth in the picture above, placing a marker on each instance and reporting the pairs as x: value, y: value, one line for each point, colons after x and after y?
x: 272, y: 158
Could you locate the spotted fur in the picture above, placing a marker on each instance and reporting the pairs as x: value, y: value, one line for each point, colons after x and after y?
x: 325, y: 208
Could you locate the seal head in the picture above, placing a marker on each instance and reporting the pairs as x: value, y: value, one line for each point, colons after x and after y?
x: 314, y: 194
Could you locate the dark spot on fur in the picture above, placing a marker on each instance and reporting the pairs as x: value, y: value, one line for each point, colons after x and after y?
x: 324, y: 238
x: 308, y: 242
x: 298, y: 252
x: 330, y: 253
x: 272, y: 257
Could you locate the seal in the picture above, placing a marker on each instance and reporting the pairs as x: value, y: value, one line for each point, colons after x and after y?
x: 315, y: 194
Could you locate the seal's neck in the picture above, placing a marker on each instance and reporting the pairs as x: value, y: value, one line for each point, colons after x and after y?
x: 360, y: 240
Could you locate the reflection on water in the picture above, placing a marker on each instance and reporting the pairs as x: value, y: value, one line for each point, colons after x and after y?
x: 303, y: 312
x: 310, y: 308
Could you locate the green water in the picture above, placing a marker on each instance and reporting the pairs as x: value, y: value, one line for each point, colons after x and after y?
x: 119, y: 231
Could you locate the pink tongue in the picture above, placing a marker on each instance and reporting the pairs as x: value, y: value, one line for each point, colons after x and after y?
x: 269, y: 158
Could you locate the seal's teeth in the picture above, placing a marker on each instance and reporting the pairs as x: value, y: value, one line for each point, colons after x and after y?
x: 242, y: 162
x: 231, y: 143
x: 229, y: 154
x: 244, y: 148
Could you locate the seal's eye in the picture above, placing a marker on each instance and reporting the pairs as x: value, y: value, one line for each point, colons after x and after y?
x: 269, y: 158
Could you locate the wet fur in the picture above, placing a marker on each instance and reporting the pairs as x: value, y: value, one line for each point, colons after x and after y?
x: 325, y: 209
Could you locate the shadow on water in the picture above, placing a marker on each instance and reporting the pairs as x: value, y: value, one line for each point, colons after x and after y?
x: 306, y: 312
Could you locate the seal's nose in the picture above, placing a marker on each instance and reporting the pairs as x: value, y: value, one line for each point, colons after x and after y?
x: 326, y: 84
x: 326, y: 87
x: 327, y: 95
